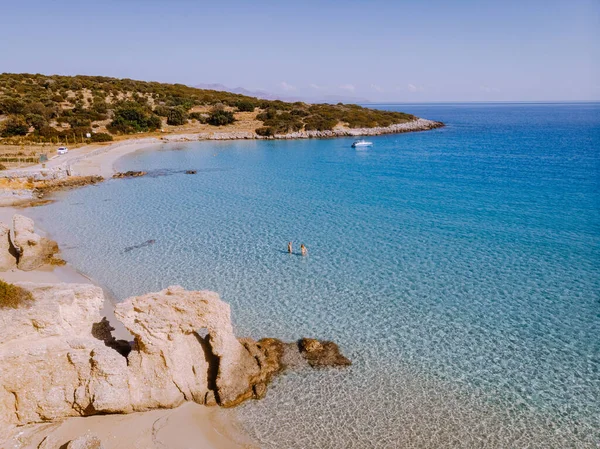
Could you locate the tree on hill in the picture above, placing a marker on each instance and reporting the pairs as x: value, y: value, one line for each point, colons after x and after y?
x: 177, y: 116
x: 220, y: 117
x: 245, y: 106
x: 14, y: 126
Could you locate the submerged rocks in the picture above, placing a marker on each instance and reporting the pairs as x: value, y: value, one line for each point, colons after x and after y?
x: 140, y: 245
x: 129, y: 174
x: 32, y: 250
x: 322, y: 354
x: 59, y: 359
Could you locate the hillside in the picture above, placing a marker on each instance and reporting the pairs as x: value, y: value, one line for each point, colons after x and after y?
x: 40, y: 108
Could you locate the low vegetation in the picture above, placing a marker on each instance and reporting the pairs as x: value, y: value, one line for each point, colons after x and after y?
x: 13, y: 296
x: 40, y: 108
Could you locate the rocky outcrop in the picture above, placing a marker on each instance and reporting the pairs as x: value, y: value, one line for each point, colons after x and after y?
x: 33, y: 251
x: 51, y: 366
x: 322, y: 353
x: 8, y: 254
x: 184, y: 344
x: 58, y: 357
x: 129, y: 174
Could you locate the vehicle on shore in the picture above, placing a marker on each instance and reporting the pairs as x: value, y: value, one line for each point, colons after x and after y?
x: 361, y: 143
x: 62, y: 150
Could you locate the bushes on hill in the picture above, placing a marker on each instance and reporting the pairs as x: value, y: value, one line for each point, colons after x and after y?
x: 245, y: 106
x: 48, y: 132
x: 36, y: 120
x: 162, y: 111
x: 40, y: 99
x: 280, y: 122
x: 177, y: 116
x: 14, y: 126
x: 101, y: 137
x: 11, y: 106
x: 220, y: 117
x: 132, y: 117
x: 264, y: 131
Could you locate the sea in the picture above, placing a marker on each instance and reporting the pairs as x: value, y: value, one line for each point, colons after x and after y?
x: 458, y: 268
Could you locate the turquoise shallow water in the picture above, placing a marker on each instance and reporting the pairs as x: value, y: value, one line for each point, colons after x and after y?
x: 458, y: 268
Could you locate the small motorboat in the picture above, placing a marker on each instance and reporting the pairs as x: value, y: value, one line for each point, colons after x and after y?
x: 362, y: 143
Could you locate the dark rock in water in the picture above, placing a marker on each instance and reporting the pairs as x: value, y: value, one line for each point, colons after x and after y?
x: 129, y: 174
x: 191, y: 172
x: 322, y: 353
x: 270, y: 357
x: 141, y: 245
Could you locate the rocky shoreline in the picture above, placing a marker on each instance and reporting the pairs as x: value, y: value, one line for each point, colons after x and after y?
x: 419, y: 124
x: 59, y: 358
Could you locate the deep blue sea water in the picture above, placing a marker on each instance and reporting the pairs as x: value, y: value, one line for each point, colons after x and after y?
x: 458, y: 268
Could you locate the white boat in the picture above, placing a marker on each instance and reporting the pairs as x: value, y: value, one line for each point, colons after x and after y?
x: 362, y: 143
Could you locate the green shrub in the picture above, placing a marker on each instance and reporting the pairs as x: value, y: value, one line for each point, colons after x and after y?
x: 78, y: 121
x: 13, y: 296
x: 177, y: 117
x: 162, y: 111
x: 15, y: 125
x: 245, y: 106
x: 47, y: 131
x: 265, y: 131
x: 36, y: 120
x: 11, y: 106
x: 132, y: 117
x: 319, y: 123
x: 220, y: 117
x: 101, y: 137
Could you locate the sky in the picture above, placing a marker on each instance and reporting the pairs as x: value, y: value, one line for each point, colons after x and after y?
x: 383, y: 51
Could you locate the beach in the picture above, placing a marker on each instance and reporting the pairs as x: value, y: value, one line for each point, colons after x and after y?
x: 469, y: 316
x: 206, y: 427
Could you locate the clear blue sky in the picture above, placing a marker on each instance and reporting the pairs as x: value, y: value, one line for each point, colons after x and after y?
x: 382, y: 50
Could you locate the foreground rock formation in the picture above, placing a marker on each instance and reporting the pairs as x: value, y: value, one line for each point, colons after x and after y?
x: 58, y: 359
x: 21, y: 247
x: 8, y: 253
x: 33, y: 251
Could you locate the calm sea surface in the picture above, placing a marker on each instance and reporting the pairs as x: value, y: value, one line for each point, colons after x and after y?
x: 458, y: 268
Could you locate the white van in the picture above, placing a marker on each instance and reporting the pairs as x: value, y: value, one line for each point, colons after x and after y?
x: 62, y: 150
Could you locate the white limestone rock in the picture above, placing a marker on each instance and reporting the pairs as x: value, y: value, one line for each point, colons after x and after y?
x: 8, y: 254
x: 33, y: 250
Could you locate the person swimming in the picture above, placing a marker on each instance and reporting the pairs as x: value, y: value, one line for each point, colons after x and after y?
x: 290, y: 250
x: 303, y: 250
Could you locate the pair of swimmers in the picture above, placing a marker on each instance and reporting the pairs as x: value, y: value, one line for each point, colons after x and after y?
x: 303, y: 249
